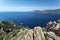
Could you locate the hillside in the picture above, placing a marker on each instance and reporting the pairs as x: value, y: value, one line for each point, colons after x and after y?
x: 10, y: 31
x: 56, y: 11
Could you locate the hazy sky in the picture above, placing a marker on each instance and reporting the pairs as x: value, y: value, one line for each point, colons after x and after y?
x: 28, y: 5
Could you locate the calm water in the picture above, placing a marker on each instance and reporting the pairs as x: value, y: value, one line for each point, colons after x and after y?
x: 28, y: 18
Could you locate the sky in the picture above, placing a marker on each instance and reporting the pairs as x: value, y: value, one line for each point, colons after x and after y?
x: 28, y: 5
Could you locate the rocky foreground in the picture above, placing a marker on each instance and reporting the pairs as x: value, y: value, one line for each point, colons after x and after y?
x: 50, y: 32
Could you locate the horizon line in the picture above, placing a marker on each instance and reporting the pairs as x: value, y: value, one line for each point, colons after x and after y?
x: 25, y: 10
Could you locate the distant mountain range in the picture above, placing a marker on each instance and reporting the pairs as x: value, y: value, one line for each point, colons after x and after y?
x: 56, y: 11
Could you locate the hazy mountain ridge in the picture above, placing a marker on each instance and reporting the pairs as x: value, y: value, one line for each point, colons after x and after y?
x: 56, y: 11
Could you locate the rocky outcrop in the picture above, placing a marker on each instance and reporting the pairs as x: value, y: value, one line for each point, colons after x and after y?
x: 52, y: 36
x: 38, y: 34
x: 54, y: 27
x: 25, y: 34
x: 30, y: 34
x: 51, y: 26
x: 51, y: 32
x: 57, y: 32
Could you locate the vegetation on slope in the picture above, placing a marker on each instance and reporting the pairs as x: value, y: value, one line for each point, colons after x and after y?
x: 9, y: 29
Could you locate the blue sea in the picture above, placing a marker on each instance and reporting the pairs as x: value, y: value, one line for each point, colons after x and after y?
x: 29, y: 19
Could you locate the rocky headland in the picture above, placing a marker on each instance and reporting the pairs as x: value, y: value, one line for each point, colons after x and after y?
x: 50, y: 32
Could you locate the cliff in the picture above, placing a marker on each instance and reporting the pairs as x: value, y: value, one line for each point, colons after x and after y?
x: 35, y: 34
x: 38, y: 33
x: 50, y: 32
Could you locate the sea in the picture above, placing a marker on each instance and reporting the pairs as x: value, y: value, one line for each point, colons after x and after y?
x: 30, y: 19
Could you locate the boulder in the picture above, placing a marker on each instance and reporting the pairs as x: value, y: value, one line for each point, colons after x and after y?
x: 51, y: 26
x: 55, y: 27
x: 57, y: 32
x: 25, y: 35
x: 38, y: 33
x: 52, y: 35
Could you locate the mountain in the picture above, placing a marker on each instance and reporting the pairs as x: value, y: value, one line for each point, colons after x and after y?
x: 56, y: 11
x: 52, y: 11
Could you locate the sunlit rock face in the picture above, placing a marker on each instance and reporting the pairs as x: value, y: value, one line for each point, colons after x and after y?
x: 52, y: 36
x: 38, y: 33
x: 25, y: 34
x: 51, y: 26
x: 57, y: 32
x: 31, y: 34
x: 55, y: 27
